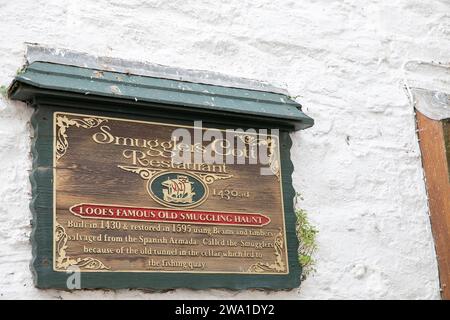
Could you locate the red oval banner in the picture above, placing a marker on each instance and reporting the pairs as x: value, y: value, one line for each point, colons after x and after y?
x: 114, y: 212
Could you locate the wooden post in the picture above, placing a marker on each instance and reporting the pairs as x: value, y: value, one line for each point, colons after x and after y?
x: 435, y: 163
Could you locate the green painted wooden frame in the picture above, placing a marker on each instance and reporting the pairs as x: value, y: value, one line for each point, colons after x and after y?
x: 46, y: 101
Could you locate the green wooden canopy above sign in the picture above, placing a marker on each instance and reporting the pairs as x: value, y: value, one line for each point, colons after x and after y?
x: 81, y: 101
x: 47, y: 78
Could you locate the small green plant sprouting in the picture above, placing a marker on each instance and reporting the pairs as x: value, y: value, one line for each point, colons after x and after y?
x: 295, y: 97
x: 306, y: 234
x: 21, y: 70
x: 3, y: 91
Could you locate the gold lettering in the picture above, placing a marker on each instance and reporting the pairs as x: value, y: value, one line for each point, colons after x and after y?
x: 138, y: 157
x: 103, y: 137
x: 125, y: 141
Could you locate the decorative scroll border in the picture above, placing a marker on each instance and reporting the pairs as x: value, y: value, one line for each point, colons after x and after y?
x: 64, y: 262
x: 144, y: 173
x: 63, y: 123
x: 271, y: 143
x: 148, y: 173
x: 278, y: 265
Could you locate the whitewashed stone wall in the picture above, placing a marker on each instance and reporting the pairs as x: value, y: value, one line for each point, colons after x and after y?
x: 358, y: 168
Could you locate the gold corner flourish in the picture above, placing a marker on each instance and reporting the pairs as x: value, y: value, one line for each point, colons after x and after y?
x: 64, y: 262
x: 278, y: 265
x: 272, y: 149
x: 63, y: 123
x: 209, y: 178
x: 148, y: 173
x: 144, y: 173
x: 274, y: 161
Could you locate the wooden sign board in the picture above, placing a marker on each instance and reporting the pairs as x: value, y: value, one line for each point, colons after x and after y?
x: 123, y: 214
x: 113, y: 207
x: 123, y: 205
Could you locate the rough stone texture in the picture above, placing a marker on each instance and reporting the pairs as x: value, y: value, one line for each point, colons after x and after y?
x: 358, y: 168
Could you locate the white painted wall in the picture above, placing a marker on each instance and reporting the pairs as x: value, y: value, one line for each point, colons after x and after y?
x: 358, y: 168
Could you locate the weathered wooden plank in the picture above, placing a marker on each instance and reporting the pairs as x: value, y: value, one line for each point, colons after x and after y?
x: 432, y: 145
x: 42, y: 207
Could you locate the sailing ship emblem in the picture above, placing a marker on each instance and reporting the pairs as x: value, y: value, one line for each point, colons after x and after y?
x: 177, y: 189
